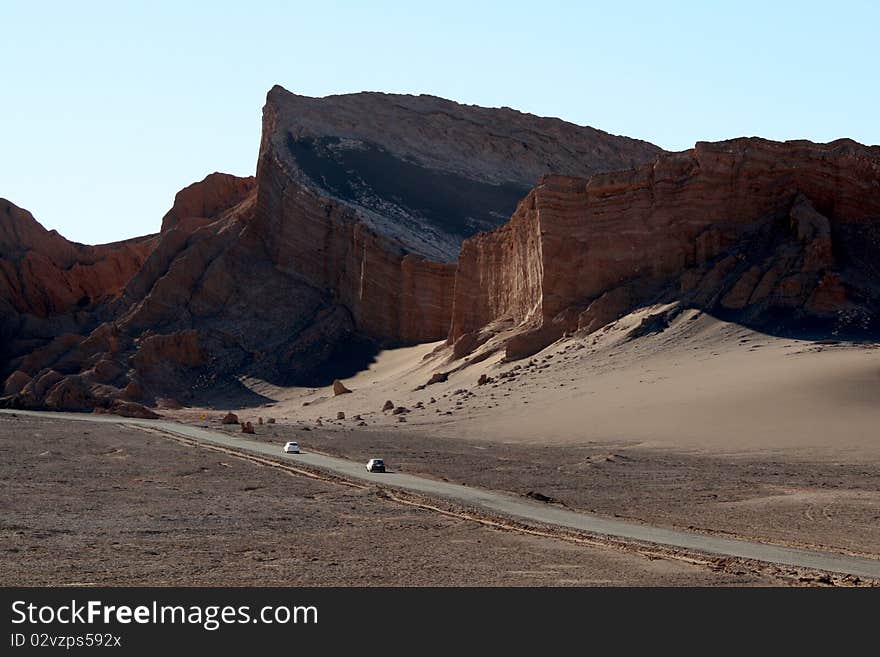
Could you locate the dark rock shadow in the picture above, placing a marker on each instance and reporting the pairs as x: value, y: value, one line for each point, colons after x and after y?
x: 228, y: 395
x: 341, y: 360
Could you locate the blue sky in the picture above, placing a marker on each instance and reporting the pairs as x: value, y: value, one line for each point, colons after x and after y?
x: 108, y: 108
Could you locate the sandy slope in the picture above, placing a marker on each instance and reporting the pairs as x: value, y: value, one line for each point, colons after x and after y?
x: 700, y: 385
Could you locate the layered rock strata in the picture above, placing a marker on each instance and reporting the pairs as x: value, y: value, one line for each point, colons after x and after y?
x: 425, y: 171
x: 773, y: 233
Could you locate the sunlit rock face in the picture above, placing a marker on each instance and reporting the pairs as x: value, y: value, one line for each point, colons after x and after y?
x: 426, y: 171
x: 780, y: 235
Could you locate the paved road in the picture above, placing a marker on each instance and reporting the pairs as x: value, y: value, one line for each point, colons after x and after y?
x: 513, y: 506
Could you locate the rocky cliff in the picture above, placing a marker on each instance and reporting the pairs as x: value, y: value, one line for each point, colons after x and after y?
x: 426, y: 171
x: 49, y: 285
x: 100, y: 353
x: 775, y: 234
x: 340, y: 243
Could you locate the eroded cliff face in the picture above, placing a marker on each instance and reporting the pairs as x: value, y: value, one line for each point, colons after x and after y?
x: 43, y: 274
x: 49, y: 285
x: 206, y: 306
x: 428, y: 172
x: 776, y: 234
x: 368, y: 196
x: 123, y: 345
x: 391, y: 294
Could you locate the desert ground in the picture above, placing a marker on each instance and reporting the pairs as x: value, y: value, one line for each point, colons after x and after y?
x: 705, y: 425
x: 109, y: 505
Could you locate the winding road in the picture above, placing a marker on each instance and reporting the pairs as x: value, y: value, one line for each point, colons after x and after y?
x: 508, y: 505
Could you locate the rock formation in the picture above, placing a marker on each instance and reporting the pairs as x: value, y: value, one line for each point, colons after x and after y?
x: 205, y: 201
x: 121, y: 342
x: 50, y: 286
x: 776, y: 234
x: 325, y: 254
x: 369, y: 195
x: 346, y: 239
x: 426, y: 171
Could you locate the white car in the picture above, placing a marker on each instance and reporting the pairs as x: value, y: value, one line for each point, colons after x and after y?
x: 375, y: 465
x: 291, y: 447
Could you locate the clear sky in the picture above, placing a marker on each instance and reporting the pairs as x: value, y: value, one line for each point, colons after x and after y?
x: 108, y: 108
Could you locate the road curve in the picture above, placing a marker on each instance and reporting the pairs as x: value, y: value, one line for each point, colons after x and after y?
x: 509, y: 505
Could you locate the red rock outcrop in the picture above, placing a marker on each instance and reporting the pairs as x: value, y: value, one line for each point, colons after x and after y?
x: 132, y: 409
x: 205, y: 201
x: 92, y: 362
x: 747, y: 225
x: 43, y: 274
x: 51, y: 292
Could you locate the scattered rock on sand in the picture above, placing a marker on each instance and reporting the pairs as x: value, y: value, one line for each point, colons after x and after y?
x: 339, y: 388
x: 229, y: 418
x: 400, y: 410
x: 247, y: 427
x: 259, y: 420
x: 483, y: 380
x: 540, y: 497
x: 388, y: 405
x: 340, y: 415
x: 270, y: 420
x: 656, y: 323
x: 132, y: 409
x: 438, y: 377
x: 362, y: 424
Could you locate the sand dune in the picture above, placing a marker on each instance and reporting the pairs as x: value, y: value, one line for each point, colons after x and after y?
x: 700, y: 385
